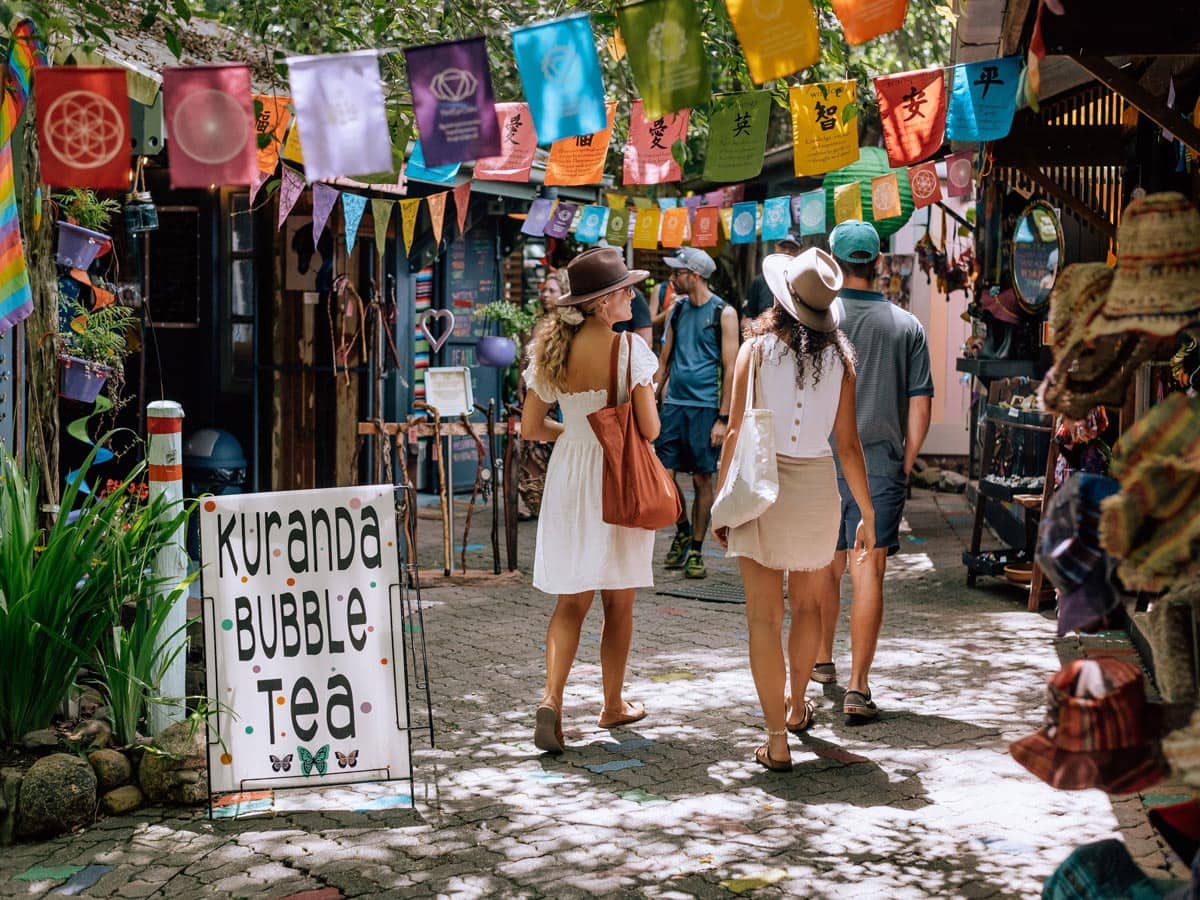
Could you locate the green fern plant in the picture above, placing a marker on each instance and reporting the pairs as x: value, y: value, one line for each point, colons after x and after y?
x: 84, y: 208
x: 99, y: 336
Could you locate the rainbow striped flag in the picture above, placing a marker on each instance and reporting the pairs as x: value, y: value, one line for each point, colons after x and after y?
x: 16, y: 300
x: 25, y: 51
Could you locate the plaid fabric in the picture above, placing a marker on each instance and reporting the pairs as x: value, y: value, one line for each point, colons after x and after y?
x: 1168, y: 429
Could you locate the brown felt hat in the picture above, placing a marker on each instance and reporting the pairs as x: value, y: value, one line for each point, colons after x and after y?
x: 805, y: 286
x: 596, y: 272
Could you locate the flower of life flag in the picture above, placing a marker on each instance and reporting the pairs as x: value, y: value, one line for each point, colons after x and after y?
x: 210, y: 126
x: 84, y: 130
x: 924, y: 184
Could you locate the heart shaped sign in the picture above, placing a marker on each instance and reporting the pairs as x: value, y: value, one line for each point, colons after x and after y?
x: 437, y: 342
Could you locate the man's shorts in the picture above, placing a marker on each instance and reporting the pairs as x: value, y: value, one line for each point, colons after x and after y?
x: 685, y: 440
x: 888, y: 493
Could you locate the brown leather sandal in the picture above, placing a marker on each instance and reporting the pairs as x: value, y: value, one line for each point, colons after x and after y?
x: 547, y: 734
x: 628, y: 719
x: 807, y: 710
x: 763, y: 755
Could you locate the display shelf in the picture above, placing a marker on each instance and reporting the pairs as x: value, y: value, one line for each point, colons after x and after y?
x: 987, y: 369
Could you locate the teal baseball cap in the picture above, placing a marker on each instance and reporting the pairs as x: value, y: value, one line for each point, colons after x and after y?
x: 854, y: 241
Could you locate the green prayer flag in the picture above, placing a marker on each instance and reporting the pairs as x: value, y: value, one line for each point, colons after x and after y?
x: 737, y: 135
x: 617, y: 230
x: 666, y: 54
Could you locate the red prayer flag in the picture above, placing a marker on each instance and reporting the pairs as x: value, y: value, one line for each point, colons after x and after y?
x: 518, y: 142
x: 912, y: 108
x: 83, y: 126
x: 925, y: 185
x: 706, y: 226
x: 209, y: 116
x: 960, y: 174
x: 648, y: 157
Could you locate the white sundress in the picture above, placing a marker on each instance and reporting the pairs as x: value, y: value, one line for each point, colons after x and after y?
x: 576, y: 549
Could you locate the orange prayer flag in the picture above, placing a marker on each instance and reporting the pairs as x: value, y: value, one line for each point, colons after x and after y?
x: 271, y: 118
x: 462, y: 202
x: 580, y: 159
x: 704, y: 228
x: 437, y: 213
x: 864, y: 19
x: 674, y: 224
x: 912, y: 108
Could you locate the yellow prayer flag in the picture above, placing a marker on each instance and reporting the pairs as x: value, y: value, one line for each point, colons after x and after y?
x: 616, y: 46
x: 727, y: 222
x: 291, y: 147
x: 615, y: 201
x: 381, y: 215
x: 824, y: 126
x: 645, y: 229
x: 778, y: 37
x: 437, y: 213
x: 643, y: 202
x: 847, y: 202
x: 885, y: 197
x: 408, y: 220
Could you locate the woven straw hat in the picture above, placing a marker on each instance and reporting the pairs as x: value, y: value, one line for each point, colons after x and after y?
x: 1156, y: 287
x: 1089, y: 370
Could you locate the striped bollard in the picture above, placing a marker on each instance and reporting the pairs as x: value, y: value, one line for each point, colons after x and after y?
x: 164, y: 428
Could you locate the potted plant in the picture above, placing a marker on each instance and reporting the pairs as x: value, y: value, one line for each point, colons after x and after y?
x: 81, y: 236
x: 515, y: 323
x: 92, y: 350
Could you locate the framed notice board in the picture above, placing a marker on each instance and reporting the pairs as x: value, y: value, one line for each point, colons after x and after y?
x: 173, y: 283
x: 472, y: 279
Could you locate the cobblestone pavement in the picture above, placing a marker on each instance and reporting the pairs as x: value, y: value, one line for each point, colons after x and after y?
x: 923, y: 802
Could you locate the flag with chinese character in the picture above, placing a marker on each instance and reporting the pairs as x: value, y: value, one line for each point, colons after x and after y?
x: 924, y: 184
x: 810, y: 215
x: 666, y: 53
x: 704, y: 228
x: 847, y: 202
x: 580, y: 159
x: 83, y: 126
x: 885, y: 196
x: 291, y: 186
x: 271, y: 120
x: 865, y: 19
x: 559, y: 225
x: 645, y: 229
x: 616, y: 232
x: 25, y: 52
x: 560, y: 74
x: 744, y: 227
x: 537, y: 217
x: 777, y: 218
x: 960, y: 174
x: 737, y: 135
x: 451, y: 87
x: 340, y: 114
x: 983, y: 100
x: 673, y: 227
x: 417, y: 168
x: 518, y: 143
x: 591, y: 223
x: 16, y: 298
x: 912, y: 108
x: 352, y: 211
x: 648, y: 156
x: 824, y: 126
x: 778, y: 37
x: 209, y: 117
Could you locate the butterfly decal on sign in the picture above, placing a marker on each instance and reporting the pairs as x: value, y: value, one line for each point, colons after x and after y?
x: 281, y: 764
x: 347, y: 759
x: 310, y: 761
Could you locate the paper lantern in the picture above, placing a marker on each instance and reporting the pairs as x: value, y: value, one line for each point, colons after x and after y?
x: 872, y: 163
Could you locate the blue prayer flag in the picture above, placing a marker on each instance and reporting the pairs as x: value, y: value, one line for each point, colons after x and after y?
x: 745, y: 223
x: 777, y: 218
x: 560, y: 74
x: 983, y: 100
x: 417, y: 169
x: 810, y: 212
x: 591, y: 224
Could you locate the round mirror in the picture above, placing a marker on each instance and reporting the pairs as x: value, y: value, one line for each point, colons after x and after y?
x: 1037, y: 246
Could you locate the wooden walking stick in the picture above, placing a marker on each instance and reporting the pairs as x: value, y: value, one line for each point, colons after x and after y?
x: 491, y: 423
x: 443, y: 493
x: 481, y: 451
x: 511, y: 475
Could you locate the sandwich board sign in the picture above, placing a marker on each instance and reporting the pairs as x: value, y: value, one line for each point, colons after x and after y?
x: 303, y: 640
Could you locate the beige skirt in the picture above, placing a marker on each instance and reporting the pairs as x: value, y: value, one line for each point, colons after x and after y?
x: 799, y: 531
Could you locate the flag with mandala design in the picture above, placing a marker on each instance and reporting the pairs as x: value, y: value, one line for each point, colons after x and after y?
x: 83, y: 126
x: 453, y: 100
x: 666, y: 53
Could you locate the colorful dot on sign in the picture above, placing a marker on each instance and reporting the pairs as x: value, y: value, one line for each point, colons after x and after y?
x: 283, y: 734
x: 370, y: 628
x: 340, y: 598
x: 383, y: 662
x: 279, y: 700
x: 226, y: 759
x: 249, y: 729
x: 244, y: 579
x: 355, y: 503
x: 227, y: 624
x: 209, y: 506
x: 256, y: 669
x: 277, y: 552
x: 389, y: 543
x: 333, y: 668
x: 366, y: 707
x: 372, y: 584
x: 291, y: 581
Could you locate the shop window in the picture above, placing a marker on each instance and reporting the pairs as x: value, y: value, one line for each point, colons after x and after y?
x: 239, y: 294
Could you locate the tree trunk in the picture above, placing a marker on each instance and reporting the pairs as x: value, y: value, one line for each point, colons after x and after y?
x: 42, y: 422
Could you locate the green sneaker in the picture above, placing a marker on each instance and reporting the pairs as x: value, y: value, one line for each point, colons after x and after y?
x: 677, y: 555
x: 694, y: 567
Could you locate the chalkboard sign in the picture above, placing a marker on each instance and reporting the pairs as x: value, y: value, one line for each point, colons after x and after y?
x: 173, y: 296
x: 472, y: 279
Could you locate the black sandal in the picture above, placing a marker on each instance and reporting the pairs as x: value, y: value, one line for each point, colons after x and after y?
x: 763, y: 755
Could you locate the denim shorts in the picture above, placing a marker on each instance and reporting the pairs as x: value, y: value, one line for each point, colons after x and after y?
x: 888, y: 493
x: 685, y: 440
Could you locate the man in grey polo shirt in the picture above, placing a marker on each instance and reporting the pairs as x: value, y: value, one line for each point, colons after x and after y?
x: 893, y: 400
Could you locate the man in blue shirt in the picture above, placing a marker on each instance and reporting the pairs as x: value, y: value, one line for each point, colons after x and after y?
x: 893, y: 398
x: 699, y: 349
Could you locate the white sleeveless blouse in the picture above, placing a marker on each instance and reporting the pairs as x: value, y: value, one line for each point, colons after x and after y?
x: 804, y: 416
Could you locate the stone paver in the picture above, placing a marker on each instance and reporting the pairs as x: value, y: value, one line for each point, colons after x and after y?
x: 923, y: 802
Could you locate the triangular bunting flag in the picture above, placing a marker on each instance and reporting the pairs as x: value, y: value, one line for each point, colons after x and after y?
x: 290, y: 189
x: 408, y: 220
x: 352, y: 208
x: 462, y: 202
x: 381, y: 214
x: 324, y: 197
x: 616, y: 201
x: 437, y: 213
x: 260, y: 178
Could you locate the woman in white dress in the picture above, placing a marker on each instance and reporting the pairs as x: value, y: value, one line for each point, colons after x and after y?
x: 577, y: 552
x: 804, y: 368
